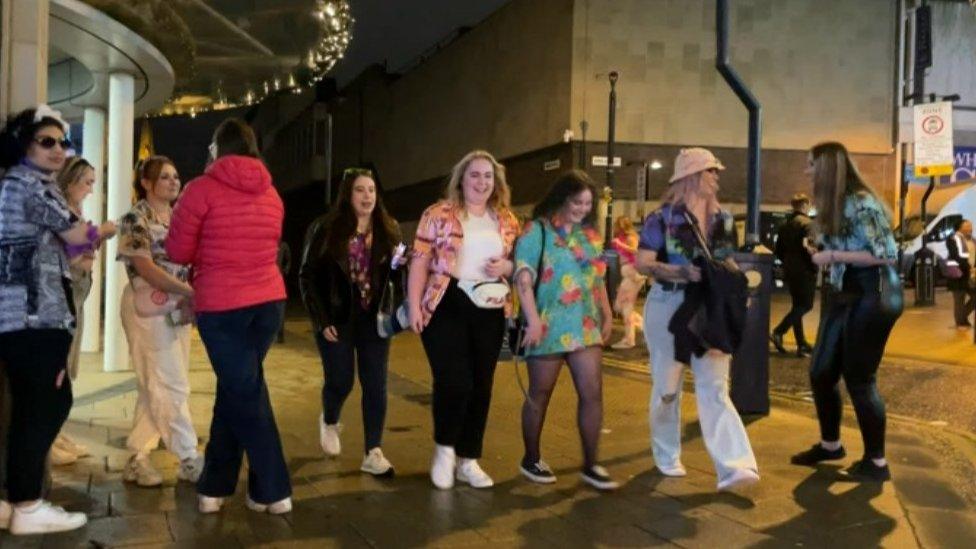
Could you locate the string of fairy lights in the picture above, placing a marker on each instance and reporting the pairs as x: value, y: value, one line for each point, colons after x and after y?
x: 335, y: 21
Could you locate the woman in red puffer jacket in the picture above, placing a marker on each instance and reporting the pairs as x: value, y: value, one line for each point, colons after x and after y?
x: 227, y: 224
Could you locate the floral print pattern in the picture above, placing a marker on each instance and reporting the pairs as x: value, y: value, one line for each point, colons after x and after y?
x: 573, y: 272
x: 359, y: 254
x: 866, y: 228
x: 667, y: 232
x: 142, y: 233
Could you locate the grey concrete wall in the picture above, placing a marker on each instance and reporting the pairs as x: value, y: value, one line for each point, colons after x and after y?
x: 823, y: 69
x: 503, y: 86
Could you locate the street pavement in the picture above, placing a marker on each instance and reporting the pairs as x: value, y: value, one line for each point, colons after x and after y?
x: 336, y: 505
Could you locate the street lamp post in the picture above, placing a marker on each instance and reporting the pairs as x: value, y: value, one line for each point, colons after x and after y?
x: 609, y: 254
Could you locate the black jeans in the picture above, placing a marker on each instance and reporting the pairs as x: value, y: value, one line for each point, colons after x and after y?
x: 462, y: 343
x: 34, y: 361
x: 243, y: 421
x: 962, y: 306
x: 358, y: 343
x: 850, y: 343
x: 803, y: 288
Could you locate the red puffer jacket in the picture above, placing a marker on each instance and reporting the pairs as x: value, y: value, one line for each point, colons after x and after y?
x: 227, y: 224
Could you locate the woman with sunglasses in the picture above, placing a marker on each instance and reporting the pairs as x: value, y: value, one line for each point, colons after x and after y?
x: 346, y: 265
x: 463, y: 248
x: 227, y: 224
x: 669, y: 242
x: 36, y: 311
x: 159, y: 344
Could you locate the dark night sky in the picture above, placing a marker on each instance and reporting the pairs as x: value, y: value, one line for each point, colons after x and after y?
x: 399, y: 30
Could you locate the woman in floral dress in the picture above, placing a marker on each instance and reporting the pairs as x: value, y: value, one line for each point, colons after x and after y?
x: 568, y: 318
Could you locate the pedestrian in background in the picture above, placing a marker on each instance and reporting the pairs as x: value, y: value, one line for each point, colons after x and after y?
x: 227, y: 225
x: 959, y: 247
x: 625, y: 241
x: 458, y: 299
x: 158, y: 346
x: 668, y: 244
x: 794, y: 242
x: 859, y: 248
x: 37, y: 317
x: 568, y: 319
x: 346, y: 264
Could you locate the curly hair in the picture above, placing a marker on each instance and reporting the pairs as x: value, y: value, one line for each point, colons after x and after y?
x: 19, y: 132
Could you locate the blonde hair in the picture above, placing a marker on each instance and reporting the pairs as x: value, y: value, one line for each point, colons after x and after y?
x: 687, y: 187
x: 71, y: 173
x: 501, y: 195
x: 835, y: 177
x: 623, y: 224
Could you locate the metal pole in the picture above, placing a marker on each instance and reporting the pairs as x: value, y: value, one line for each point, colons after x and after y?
x: 584, y: 125
x: 753, y: 183
x: 611, y: 130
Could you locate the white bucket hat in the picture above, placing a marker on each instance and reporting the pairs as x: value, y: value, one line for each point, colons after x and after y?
x: 692, y: 161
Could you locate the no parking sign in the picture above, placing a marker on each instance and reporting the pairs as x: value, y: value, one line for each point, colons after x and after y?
x: 933, y: 139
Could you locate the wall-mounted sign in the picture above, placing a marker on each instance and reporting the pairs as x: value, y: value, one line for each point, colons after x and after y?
x: 933, y: 139
x: 964, y: 167
x: 602, y: 161
x: 550, y: 165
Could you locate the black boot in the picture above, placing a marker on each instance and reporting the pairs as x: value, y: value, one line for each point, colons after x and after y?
x: 777, y: 340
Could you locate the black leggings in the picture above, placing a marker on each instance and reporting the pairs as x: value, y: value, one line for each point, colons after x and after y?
x: 803, y: 288
x: 35, y: 360
x: 462, y: 344
x: 850, y: 343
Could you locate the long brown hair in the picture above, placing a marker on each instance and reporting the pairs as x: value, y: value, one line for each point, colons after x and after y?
x: 835, y: 177
x: 501, y: 196
x: 569, y: 184
x: 148, y: 169
x: 340, y: 225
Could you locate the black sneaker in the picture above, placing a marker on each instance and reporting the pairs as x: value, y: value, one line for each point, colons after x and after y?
x: 864, y: 470
x: 538, y: 472
x: 816, y: 454
x: 598, y: 478
x: 777, y: 340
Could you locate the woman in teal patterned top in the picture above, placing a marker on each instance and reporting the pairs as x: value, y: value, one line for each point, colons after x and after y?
x: 859, y: 247
x: 568, y: 318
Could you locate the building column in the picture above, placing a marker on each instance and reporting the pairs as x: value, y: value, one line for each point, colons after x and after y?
x: 93, y: 141
x: 121, y: 117
x: 23, y: 54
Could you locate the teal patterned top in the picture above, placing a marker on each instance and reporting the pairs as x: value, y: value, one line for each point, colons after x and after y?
x: 866, y: 229
x: 572, y: 274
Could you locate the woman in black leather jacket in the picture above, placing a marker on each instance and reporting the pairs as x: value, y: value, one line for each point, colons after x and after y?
x: 345, y: 272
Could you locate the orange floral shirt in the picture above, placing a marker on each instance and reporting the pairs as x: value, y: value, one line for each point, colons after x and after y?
x: 439, y: 237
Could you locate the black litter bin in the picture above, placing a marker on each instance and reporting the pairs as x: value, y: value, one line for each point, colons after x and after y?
x: 750, y: 363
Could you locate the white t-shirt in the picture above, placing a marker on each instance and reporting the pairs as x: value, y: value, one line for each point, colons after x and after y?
x: 481, y: 242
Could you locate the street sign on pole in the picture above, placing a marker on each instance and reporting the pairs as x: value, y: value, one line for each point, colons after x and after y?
x: 933, y: 139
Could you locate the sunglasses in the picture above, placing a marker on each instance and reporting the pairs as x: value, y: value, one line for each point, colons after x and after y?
x: 349, y: 172
x: 48, y: 142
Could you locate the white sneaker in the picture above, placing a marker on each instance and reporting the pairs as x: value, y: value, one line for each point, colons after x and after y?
x: 676, y: 470
x: 623, y: 344
x: 44, y: 518
x: 6, y: 511
x: 376, y: 464
x: 442, y: 467
x: 279, y: 507
x: 207, y: 504
x: 329, y: 438
x: 739, y: 479
x: 140, y: 471
x: 190, y: 469
x: 67, y: 443
x: 470, y: 472
x: 60, y: 456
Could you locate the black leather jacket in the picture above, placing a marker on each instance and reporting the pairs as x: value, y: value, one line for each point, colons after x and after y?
x: 326, y: 288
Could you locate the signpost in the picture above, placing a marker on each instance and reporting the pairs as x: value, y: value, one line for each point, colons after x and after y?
x: 933, y: 139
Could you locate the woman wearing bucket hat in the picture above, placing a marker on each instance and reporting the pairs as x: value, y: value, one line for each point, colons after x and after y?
x: 668, y: 244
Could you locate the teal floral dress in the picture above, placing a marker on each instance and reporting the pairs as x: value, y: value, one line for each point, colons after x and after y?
x: 572, y: 275
x: 866, y: 229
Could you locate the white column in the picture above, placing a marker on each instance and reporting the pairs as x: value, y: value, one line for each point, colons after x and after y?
x: 93, y: 140
x: 121, y: 113
x: 23, y: 54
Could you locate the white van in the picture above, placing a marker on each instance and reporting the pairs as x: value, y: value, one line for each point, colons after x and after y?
x: 961, y: 206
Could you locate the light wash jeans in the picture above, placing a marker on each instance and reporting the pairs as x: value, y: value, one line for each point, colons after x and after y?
x: 725, y: 436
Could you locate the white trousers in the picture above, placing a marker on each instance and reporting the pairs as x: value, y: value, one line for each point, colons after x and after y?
x: 161, y: 359
x: 724, y: 435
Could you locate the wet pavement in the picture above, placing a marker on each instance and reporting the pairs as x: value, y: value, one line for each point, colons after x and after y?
x: 336, y: 505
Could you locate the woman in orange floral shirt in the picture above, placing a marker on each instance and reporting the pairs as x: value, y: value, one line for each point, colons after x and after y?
x: 568, y: 318
x: 458, y: 298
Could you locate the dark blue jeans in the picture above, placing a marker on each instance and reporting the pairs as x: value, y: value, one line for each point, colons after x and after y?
x: 243, y: 420
x: 358, y: 343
